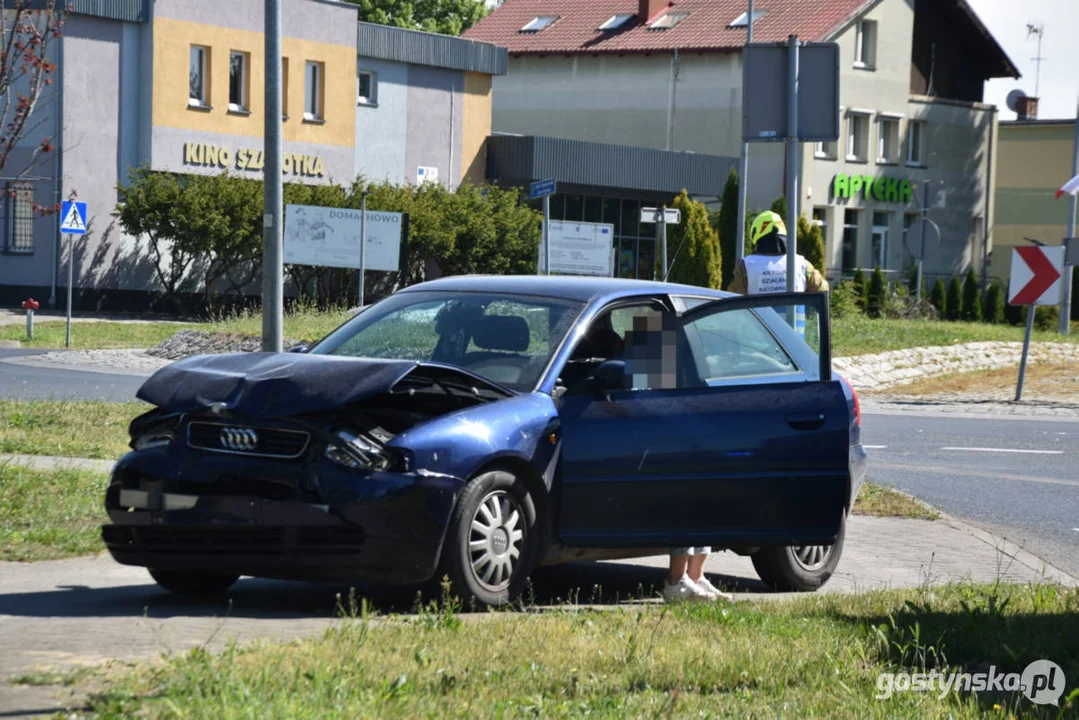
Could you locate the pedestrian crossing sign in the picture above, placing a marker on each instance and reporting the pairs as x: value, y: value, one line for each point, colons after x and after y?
x: 73, y: 216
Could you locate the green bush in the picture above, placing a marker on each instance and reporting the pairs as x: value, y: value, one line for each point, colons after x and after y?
x: 955, y: 299
x: 844, y: 300
x: 1045, y: 317
x: 938, y: 297
x: 993, y: 307
x: 779, y: 207
x: 811, y: 242
x: 694, y: 245
x: 878, y: 289
x: 726, y: 224
x: 858, y: 282
x: 972, y: 299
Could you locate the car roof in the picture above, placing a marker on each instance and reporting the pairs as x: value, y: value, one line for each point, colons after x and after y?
x: 562, y: 286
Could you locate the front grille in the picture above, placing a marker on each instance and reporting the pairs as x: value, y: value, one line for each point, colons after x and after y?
x: 247, y: 440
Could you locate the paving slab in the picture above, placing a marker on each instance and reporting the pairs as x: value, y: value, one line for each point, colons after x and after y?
x: 85, y: 611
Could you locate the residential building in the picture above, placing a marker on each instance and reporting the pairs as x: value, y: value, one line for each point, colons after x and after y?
x: 178, y: 86
x: 668, y: 77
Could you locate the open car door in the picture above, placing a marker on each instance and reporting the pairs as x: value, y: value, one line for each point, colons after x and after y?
x: 749, y: 449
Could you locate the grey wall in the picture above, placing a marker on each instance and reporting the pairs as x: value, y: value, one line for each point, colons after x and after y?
x: 382, y: 131
x: 434, y: 123
x: 327, y: 22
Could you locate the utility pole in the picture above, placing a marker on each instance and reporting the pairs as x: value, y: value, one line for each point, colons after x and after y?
x: 1069, y: 270
x: 363, y: 242
x: 921, y: 241
x: 793, y: 147
x: 743, y: 163
x: 273, y: 291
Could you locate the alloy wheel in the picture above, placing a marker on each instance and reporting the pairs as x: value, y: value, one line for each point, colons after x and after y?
x: 812, y: 557
x: 496, y: 540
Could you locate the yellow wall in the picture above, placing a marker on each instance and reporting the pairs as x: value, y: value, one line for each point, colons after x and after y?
x: 172, y: 46
x: 476, y: 127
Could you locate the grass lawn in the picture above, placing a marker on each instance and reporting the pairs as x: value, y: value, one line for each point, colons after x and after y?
x: 49, y: 514
x: 66, y: 428
x: 860, y: 335
x: 93, y: 335
x: 881, y: 501
x: 818, y: 655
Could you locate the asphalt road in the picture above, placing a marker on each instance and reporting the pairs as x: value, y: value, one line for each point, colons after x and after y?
x: 22, y: 382
x: 1017, y: 477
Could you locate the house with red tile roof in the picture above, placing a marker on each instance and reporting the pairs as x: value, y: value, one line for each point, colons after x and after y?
x: 665, y: 77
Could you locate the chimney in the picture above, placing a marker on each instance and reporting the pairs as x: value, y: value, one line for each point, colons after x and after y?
x: 648, y: 9
x: 1027, y: 108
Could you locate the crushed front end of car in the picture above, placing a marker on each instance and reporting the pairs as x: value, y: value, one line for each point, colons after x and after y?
x: 283, y: 466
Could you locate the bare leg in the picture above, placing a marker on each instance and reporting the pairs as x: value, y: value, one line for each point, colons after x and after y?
x: 696, y: 566
x: 678, y: 568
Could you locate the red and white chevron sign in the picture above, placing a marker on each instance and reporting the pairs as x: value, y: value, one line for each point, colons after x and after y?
x: 1036, y: 273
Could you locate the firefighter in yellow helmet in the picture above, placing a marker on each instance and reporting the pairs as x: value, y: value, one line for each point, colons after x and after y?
x: 765, y: 271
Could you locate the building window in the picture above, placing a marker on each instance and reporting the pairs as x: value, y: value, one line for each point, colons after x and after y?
x: 825, y: 150
x: 312, y: 104
x: 850, y: 239
x: 238, y: 64
x: 668, y: 21
x: 857, y: 137
x: 21, y: 210
x: 881, y: 222
x: 916, y: 142
x: 366, y: 88
x: 865, y: 46
x: 742, y: 20
x: 887, y: 140
x: 616, y: 21
x: 198, y: 77
x: 538, y: 23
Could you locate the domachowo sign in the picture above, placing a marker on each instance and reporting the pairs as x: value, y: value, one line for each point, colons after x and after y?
x: 203, y: 155
x: 892, y: 190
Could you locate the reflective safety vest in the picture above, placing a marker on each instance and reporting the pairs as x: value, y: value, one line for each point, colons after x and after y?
x: 766, y: 274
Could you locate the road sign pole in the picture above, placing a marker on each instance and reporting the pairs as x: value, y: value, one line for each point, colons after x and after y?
x: 1066, y: 295
x: 661, y: 218
x: 743, y: 162
x: 1026, y: 351
x: 273, y: 282
x: 363, y: 241
x: 921, y: 241
x: 546, y: 263
x: 70, y: 284
x: 792, y: 160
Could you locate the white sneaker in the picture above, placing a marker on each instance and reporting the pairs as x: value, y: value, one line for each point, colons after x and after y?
x: 712, y: 590
x: 684, y: 589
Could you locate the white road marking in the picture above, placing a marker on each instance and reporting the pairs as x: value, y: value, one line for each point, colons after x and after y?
x: 875, y: 447
x: 1005, y: 450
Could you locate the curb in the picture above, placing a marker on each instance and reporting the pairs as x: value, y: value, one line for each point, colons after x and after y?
x: 53, y: 462
x: 10, y: 344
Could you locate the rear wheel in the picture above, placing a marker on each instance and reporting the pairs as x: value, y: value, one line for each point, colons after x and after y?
x: 801, y: 568
x: 491, y: 543
x: 191, y: 582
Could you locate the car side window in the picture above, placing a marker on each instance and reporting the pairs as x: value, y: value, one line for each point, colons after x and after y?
x: 735, y: 344
x: 605, y: 339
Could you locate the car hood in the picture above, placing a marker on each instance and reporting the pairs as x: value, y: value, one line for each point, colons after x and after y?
x: 264, y: 385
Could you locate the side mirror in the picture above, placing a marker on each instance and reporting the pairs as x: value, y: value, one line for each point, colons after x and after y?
x: 609, y: 376
x: 299, y: 349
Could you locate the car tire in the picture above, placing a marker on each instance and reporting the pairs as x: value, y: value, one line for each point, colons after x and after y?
x: 799, y: 569
x: 491, y: 543
x: 191, y: 582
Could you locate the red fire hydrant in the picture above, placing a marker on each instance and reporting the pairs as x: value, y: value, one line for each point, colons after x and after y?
x: 30, y: 305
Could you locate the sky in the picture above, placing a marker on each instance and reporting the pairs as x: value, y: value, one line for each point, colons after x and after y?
x: 1059, y: 87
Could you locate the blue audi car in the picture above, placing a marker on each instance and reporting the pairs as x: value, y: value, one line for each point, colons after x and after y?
x: 477, y: 427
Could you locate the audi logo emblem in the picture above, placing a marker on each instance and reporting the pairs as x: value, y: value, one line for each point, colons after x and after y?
x: 239, y: 439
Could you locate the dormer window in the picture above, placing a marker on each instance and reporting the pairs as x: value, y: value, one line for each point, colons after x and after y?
x: 616, y: 22
x: 539, y: 23
x: 668, y: 21
x: 740, y: 21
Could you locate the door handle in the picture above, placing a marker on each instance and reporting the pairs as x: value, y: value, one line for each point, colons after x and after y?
x: 805, y: 421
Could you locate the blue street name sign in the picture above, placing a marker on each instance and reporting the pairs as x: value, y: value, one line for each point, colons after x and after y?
x: 541, y: 188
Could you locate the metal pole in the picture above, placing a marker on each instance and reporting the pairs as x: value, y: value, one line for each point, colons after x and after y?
x: 743, y: 163
x: 1026, y: 351
x: 1069, y: 271
x: 273, y: 290
x: 363, y: 242
x: 662, y: 220
x: 70, y: 284
x: 792, y: 160
x: 921, y: 242
x: 546, y: 236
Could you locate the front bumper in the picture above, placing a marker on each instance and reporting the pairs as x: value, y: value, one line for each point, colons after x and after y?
x: 385, y: 527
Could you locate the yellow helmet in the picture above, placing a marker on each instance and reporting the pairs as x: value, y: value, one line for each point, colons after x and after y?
x: 765, y: 224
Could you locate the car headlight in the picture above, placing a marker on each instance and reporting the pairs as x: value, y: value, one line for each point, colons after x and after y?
x: 152, y: 440
x: 357, y: 452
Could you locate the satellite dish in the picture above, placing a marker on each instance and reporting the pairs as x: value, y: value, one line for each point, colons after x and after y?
x: 1013, y: 99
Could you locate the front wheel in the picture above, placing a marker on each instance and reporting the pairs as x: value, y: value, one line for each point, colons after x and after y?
x: 800, y: 568
x: 491, y: 543
x: 190, y: 582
